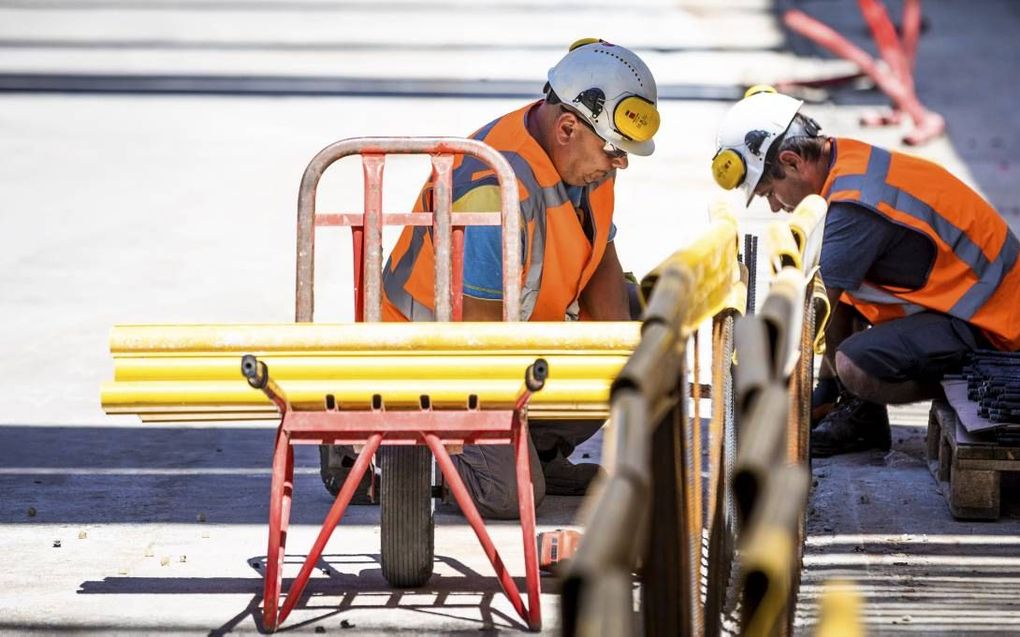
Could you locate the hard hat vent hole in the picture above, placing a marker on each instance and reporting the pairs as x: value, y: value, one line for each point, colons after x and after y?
x: 625, y: 63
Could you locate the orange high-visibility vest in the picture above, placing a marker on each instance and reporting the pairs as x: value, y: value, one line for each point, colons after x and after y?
x: 976, y: 274
x: 558, y: 258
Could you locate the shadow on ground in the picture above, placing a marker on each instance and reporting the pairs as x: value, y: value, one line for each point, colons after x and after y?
x: 217, y: 475
x: 351, y: 582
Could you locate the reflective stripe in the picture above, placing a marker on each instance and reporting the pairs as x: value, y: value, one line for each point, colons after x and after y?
x: 876, y: 296
x: 847, y: 182
x: 874, y: 191
x: 550, y: 197
x: 533, y: 281
x: 533, y: 210
x: 484, y: 131
x: 395, y: 280
x: 573, y: 311
x: 979, y: 293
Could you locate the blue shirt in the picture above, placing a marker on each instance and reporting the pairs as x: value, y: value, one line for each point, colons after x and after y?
x: 861, y: 245
x: 483, y: 256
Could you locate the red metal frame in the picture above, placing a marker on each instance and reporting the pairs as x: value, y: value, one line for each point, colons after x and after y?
x: 372, y: 428
x: 367, y: 226
x: 896, y: 78
x: 438, y: 429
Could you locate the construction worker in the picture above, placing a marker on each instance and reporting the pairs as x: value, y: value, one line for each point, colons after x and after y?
x: 599, y: 107
x: 908, y: 249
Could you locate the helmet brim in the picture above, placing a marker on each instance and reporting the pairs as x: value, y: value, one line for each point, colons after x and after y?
x: 641, y: 149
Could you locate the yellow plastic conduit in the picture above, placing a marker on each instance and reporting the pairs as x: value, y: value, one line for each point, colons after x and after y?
x: 359, y: 338
x: 282, y: 368
x: 133, y: 397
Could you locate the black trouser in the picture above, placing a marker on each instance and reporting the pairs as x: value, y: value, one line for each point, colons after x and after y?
x: 921, y: 347
x: 489, y: 471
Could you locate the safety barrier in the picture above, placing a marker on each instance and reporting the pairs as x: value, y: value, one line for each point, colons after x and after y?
x: 649, y: 516
x: 773, y: 379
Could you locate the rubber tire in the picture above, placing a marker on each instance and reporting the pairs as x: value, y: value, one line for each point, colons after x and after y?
x: 408, y: 525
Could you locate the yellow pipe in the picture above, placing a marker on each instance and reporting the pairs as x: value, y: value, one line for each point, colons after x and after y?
x: 321, y: 338
x: 127, y: 397
x: 282, y: 368
x: 269, y: 413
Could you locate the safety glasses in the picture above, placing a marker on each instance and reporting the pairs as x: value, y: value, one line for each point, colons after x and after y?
x: 611, y: 150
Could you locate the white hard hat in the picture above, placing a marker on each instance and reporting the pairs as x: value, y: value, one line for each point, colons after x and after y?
x: 612, y: 89
x: 746, y: 134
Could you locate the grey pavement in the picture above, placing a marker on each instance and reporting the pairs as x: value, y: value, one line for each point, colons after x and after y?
x: 171, y: 203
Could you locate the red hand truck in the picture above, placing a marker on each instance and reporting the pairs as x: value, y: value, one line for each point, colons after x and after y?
x: 408, y: 439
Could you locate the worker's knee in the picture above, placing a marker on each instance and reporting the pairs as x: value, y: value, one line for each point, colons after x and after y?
x: 503, y: 503
x: 857, y: 381
x: 490, y: 477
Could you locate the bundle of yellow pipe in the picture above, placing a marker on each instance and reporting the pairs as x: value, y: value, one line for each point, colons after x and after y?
x: 192, y: 372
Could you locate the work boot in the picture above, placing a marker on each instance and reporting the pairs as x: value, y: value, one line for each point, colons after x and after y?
x: 823, y: 399
x: 563, y: 477
x: 335, y: 466
x: 853, y: 425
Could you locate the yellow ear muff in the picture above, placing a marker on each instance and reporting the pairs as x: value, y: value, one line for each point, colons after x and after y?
x: 728, y: 168
x: 582, y: 42
x: 758, y: 88
x: 636, y: 118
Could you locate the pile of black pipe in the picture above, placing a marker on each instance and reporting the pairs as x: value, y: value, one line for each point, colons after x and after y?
x: 993, y: 382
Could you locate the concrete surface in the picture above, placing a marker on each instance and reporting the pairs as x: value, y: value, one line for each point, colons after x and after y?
x: 180, y: 208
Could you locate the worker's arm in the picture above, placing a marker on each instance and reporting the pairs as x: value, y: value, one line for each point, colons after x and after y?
x: 854, y: 239
x: 841, y: 325
x: 605, y: 296
x: 483, y: 257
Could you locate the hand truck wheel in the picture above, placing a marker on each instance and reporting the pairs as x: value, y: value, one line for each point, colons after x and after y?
x: 408, y: 526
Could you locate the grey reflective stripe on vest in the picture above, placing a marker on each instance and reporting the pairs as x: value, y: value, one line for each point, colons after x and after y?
x: 979, y: 293
x: 876, y: 296
x: 573, y: 311
x: 874, y: 190
x: 395, y: 280
x: 533, y: 209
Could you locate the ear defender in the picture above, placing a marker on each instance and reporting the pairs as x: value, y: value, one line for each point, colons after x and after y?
x: 759, y: 88
x: 636, y: 118
x: 728, y: 168
x: 582, y: 42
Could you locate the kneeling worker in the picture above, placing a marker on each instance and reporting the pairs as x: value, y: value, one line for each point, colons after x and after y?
x: 908, y: 249
x: 565, y: 149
